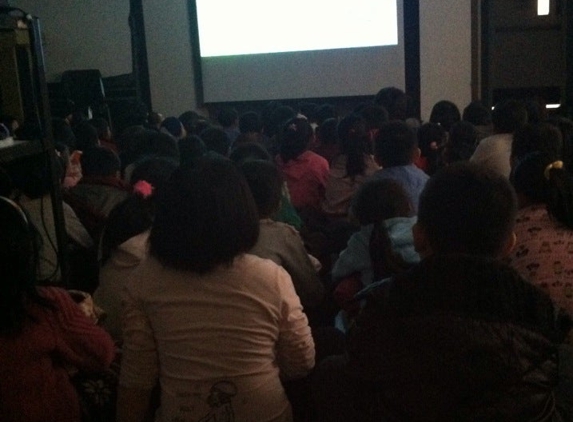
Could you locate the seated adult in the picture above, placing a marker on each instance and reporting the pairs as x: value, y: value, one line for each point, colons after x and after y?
x: 460, y: 337
x: 396, y: 150
x: 43, y: 332
x: 217, y: 327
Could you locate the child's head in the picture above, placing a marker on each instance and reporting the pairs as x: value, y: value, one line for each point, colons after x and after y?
x: 249, y: 151
x: 294, y: 138
x: 466, y: 209
x: 396, y: 145
x: 228, y: 117
x: 477, y: 114
x: 355, y: 142
x: 541, y: 179
x: 250, y: 122
x: 265, y: 182
x: 508, y: 116
x: 431, y: 136
x: 100, y: 162
x: 173, y: 126
x: 216, y: 140
x: 445, y: 113
x: 326, y: 133
x: 379, y: 200
x: 191, y: 148
x: 533, y: 137
x: 86, y: 136
x: 461, y: 143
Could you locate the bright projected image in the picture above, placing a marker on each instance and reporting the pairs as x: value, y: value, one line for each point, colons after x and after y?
x: 240, y: 27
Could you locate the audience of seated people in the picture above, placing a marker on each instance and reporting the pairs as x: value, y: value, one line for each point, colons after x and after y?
x: 212, y: 216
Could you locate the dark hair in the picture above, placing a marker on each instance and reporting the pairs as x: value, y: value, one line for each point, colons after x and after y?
x: 308, y: 110
x: 375, y: 115
x: 277, y: 119
x: 327, y: 132
x: 173, y: 125
x: 249, y: 151
x: 197, y: 209
x: 86, y: 135
x: 378, y: 200
x: 63, y: 133
x: 189, y: 120
x: 540, y: 181
x: 31, y: 175
x: 395, y: 144
x: 532, y: 137
x: 395, y: 101
x: 250, y: 122
x: 294, y: 138
x: 135, y: 214
x: 150, y: 142
x: 227, y: 116
x: 445, y: 113
x: 102, y: 127
x: 324, y: 112
x: 19, y: 245
x: 191, y: 148
x: 461, y: 143
x: 216, y: 139
x: 354, y: 142
x: 375, y: 202
x: 99, y: 161
x: 428, y: 134
x: 477, y: 114
x: 465, y: 208
x: 265, y: 182
x: 508, y: 116
x: 154, y: 118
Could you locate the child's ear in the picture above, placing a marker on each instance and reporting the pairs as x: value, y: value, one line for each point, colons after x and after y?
x: 509, y: 245
x: 421, y: 243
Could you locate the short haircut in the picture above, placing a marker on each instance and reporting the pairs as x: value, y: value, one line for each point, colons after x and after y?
x: 327, y: 132
x: 461, y: 143
x: 395, y: 144
x: 191, y: 148
x: 465, y: 208
x: 265, y: 182
x: 216, y: 139
x: 227, y: 116
x: 100, y: 161
x: 508, y: 116
x: 395, y: 101
x: 378, y: 200
x: 477, y: 114
x: 294, y: 138
x: 324, y: 112
x: 205, y: 217
x: 86, y: 135
x: 250, y: 122
x: 533, y: 137
x: 173, y: 126
x: 375, y: 115
x: 249, y: 151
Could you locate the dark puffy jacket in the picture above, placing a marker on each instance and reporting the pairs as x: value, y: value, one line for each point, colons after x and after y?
x: 458, y: 338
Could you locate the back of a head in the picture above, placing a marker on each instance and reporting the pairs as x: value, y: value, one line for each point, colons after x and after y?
x: 294, y: 138
x: 250, y: 122
x: 533, y: 137
x: 379, y: 200
x: 150, y: 142
x: 327, y: 132
x: 277, y: 119
x: 395, y: 144
x: 477, y: 114
x: 189, y: 120
x: 227, y: 117
x: 324, y: 112
x: 100, y: 162
x: 395, y: 101
x: 541, y: 179
x: 265, y: 182
x: 249, y: 151
x: 63, y: 133
x: 308, y: 110
x: 466, y: 209
x: 354, y: 140
x: 191, y: 148
x: 508, y: 116
x: 173, y: 126
x: 196, y: 209
x: 375, y: 115
x: 461, y: 142
x: 153, y: 170
x: 86, y: 135
x: 445, y: 113
x: 216, y: 140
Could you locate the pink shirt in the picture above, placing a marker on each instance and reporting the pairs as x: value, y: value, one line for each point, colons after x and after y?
x: 306, y: 178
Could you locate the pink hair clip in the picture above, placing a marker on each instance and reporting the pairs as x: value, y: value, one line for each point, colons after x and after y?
x: 143, y: 189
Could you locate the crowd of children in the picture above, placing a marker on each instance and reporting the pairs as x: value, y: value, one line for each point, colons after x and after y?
x: 294, y: 264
